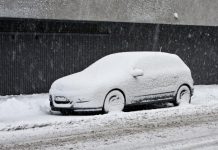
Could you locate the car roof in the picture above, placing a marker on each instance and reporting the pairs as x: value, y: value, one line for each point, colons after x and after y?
x: 136, y: 56
x: 121, y: 62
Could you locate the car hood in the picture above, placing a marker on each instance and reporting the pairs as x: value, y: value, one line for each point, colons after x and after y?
x: 72, y: 82
x: 82, y: 82
x: 107, y: 72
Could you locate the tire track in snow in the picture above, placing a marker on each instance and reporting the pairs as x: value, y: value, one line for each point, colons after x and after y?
x: 112, y: 124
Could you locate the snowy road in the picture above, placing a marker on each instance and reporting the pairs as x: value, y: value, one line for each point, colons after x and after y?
x: 25, y: 123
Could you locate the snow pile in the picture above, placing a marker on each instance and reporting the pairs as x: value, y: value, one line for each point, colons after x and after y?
x: 205, y: 95
x: 14, y: 108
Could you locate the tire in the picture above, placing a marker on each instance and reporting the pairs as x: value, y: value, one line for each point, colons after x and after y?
x: 183, y: 96
x: 114, y: 101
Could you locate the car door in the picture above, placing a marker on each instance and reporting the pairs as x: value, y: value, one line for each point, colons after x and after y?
x: 167, y: 75
x: 156, y: 83
x: 164, y: 78
x: 144, y: 85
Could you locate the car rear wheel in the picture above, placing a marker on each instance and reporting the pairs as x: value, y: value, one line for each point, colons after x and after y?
x: 183, y: 96
x: 114, y: 101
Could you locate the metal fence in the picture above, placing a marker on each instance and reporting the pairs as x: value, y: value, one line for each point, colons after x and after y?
x: 34, y: 53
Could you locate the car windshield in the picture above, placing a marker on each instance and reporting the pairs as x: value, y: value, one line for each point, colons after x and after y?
x: 111, y: 64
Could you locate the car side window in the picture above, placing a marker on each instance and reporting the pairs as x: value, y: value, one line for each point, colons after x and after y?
x: 147, y: 65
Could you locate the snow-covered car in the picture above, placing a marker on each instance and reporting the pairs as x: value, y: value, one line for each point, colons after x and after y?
x: 122, y: 79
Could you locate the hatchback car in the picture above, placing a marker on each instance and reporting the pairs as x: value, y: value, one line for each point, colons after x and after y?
x: 122, y: 79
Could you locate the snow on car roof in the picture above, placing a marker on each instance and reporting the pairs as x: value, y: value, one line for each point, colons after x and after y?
x: 135, y: 56
x: 124, y: 60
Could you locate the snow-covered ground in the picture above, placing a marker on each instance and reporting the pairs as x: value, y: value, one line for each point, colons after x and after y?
x: 26, y: 122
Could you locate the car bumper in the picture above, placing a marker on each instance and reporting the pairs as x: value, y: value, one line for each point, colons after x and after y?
x: 78, y: 106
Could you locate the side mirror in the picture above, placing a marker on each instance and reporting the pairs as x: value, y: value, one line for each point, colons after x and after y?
x: 137, y: 72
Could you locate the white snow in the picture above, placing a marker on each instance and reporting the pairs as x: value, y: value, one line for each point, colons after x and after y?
x: 27, y: 111
x: 14, y: 108
x: 176, y: 15
x: 205, y: 95
x: 32, y: 121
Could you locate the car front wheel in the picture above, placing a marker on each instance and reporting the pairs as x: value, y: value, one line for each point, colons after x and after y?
x: 114, y: 101
x: 183, y: 96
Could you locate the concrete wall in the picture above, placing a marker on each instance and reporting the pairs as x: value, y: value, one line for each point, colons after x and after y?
x: 190, y: 12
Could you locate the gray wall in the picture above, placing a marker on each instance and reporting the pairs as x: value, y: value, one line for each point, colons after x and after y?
x: 190, y: 12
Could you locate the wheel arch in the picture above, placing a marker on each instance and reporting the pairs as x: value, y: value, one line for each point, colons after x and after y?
x: 184, y: 84
x: 115, y: 89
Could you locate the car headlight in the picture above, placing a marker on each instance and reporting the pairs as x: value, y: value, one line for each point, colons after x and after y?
x: 61, y: 99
